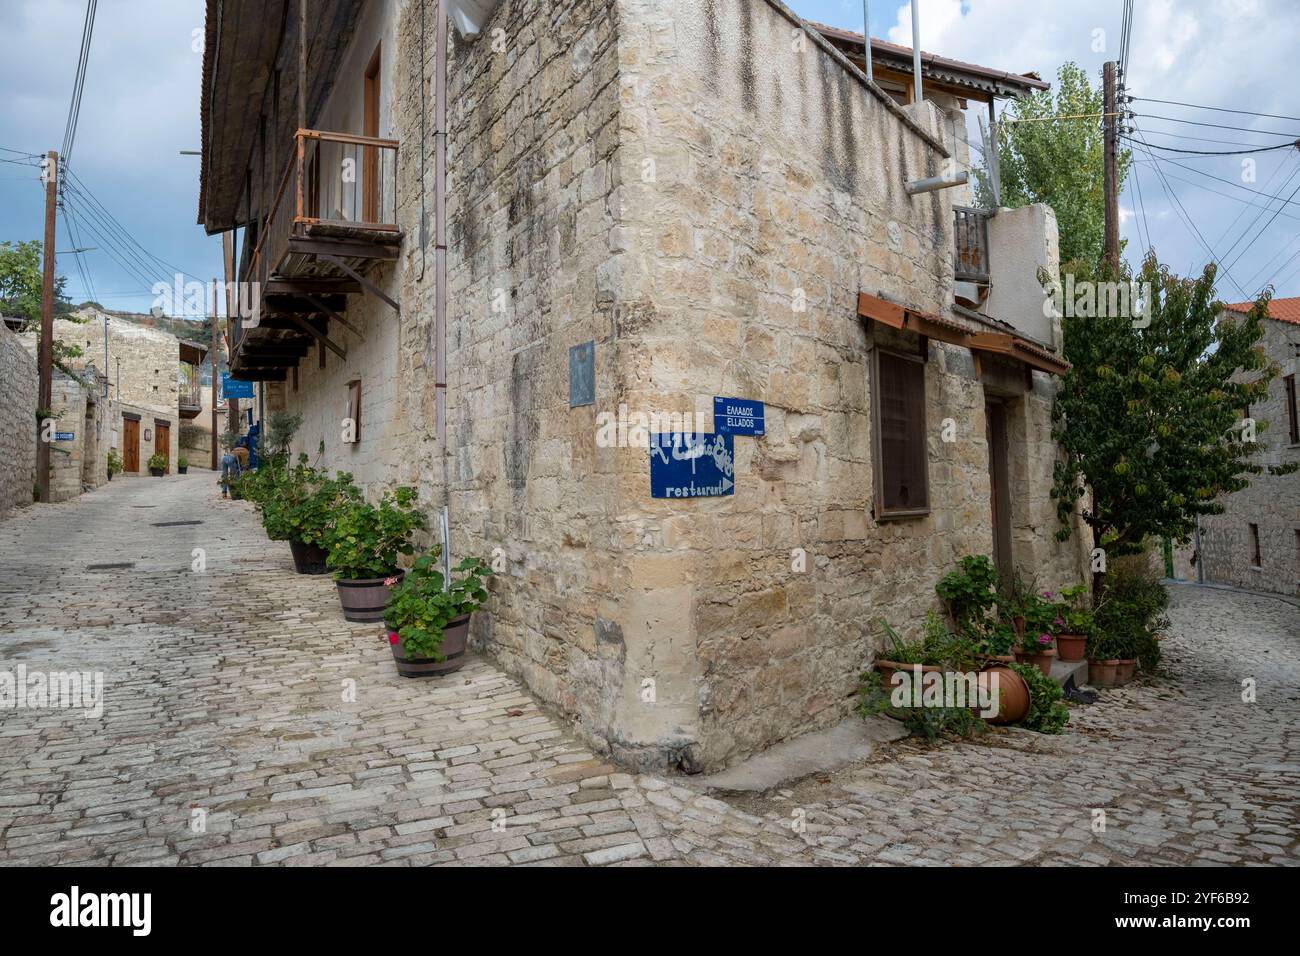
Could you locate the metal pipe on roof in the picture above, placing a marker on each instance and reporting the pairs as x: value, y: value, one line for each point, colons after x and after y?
x: 866, y: 35
x: 916, y: 50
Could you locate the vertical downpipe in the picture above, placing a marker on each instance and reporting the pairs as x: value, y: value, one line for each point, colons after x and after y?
x: 916, y: 51
x: 866, y: 36
x: 440, y: 230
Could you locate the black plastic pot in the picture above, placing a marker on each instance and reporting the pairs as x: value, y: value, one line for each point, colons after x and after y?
x: 308, y: 558
x: 183, y: 469
x: 157, y: 472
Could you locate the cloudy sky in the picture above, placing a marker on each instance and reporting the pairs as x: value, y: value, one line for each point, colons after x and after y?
x: 140, y: 108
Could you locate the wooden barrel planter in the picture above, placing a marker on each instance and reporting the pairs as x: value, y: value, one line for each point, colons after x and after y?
x: 308, y: 558
x: 363, y: 599
x: 455, y: 637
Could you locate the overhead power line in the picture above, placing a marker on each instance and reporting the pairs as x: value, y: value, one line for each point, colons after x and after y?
x: 1219, y: 109
x: 1240, y: 129
x: 79, y: 82
x: 1223, y: 152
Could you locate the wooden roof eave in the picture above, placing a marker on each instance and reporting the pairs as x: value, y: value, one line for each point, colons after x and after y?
x: 945, y: 330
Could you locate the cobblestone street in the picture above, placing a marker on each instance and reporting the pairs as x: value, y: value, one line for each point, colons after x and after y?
x: 225, y: 704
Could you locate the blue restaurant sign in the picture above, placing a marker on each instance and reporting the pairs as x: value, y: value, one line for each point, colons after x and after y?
x: 234, y: 388
x: 738, y: 416
x: 689, y: 465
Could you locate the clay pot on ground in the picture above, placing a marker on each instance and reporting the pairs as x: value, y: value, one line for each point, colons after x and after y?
x: 1070, y: 647
x: 455, y: 637
x: 1103, y: 673
x: 308, y: 558
x: 1040, y: 659
x: 1125, y: 671
x: 887, y: 669
x: 363, y: 599
x: 1013, y: 695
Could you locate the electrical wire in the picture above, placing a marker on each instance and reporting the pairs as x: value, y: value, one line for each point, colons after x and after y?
x: 1230, y: 152
x: 79, y: 82
x: 1220, y: 109
x: 1240, y: 129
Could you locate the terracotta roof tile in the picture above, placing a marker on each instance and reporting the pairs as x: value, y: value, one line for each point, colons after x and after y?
x: 1284, y: 310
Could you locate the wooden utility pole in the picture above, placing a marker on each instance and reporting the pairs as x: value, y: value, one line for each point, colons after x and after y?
x: 214, y: 350
x: 45, y: 353
x: 1110, y: 120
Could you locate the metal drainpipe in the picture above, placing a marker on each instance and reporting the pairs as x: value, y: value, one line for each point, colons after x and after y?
x: 866, y: 36
x: 440, y: 231
x: 916, y: 50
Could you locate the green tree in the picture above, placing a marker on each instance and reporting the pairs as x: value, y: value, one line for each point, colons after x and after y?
x: 22, y: 277
x: 1045, y: 155
x: 1149, y: 419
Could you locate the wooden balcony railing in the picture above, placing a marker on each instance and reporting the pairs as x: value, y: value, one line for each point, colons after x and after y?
x: 971, y: 248
x: 335, y: 185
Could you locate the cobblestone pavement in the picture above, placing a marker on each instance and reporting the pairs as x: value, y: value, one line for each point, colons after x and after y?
x: 226, y: 705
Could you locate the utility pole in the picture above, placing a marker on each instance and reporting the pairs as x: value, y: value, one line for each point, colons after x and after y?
x: 1110, y: 121
x: 45, y: 353
x: 866, y: 36
x: 213, y: 356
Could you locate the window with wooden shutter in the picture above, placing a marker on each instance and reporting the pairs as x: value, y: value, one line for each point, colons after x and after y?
x: 898, y: 399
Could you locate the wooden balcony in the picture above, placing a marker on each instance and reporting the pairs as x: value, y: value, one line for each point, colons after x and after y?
x: 333, y: 220
x: 970, y: 258
x: 189, y: 379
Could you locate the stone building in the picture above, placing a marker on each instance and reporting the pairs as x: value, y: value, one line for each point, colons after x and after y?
x: 18, y: 398
x: 603, y: 210
x: 151, y: 384
x: 1255, y: 543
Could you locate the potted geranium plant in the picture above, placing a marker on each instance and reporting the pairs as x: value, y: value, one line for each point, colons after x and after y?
x: 364, y: 543
x: 114, y: 464
x: 1036, y: 643
x: 1073, y: 623
x: 301, y: 511
x: 427, y: 620
x: 157, y: 464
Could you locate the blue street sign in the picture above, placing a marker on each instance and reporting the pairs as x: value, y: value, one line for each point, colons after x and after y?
x: 65, y: 436
x: 738, y: 416
x: 687, y: 465
x: 234, y: 388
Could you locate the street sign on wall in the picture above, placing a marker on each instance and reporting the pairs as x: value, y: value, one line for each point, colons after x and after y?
x: 688, y: 465
x: 738, y: 416
x: 234, y: 388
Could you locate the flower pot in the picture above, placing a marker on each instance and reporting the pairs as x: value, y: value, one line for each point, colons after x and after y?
x: 157, y: 472
x: 1102, y: 673
x: 887, y: 669
x: 1071, y: 646
x: 1040, y: 659
x: 110, y: 476
x: 308, y: 558
x: 234, y: 493
x: 363, y: 599
x: 997, y: 658
x: 1125, y: 670
x: 1013, y: 695
x: 454, y: 638
x: 183, y: 469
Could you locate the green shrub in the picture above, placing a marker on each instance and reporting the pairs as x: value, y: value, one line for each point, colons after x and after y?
x: 365, y: 540
x: 158, y: 460
x: 1130, y: 614
x: 420, y: 608
x: 1048, y: 713
x: 930, y: 722
x: 115, y: 464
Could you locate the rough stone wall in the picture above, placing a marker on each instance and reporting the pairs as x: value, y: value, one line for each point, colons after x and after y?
x: 1272, y: 502
x: 18, y: 393
x: 66, y: 457
x: 667, y: 179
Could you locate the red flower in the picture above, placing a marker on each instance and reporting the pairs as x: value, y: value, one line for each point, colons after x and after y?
x: 392, y: 637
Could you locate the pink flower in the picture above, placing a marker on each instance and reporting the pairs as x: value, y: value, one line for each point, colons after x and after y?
x: 389, y: 582
x: 392, y: 637
x: 1044, y: 639
x: 1049, y: 595
x: 1059, y: 621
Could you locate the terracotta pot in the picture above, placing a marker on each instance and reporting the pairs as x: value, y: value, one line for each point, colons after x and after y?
x: 1041, y: 659
x: 1013, y: 695
x: 1102, y: 673
x: 363, y: 599
x: 1071, y: 646
x: 454, y: 638
x: 308, y: 558
x: 1125, y: 671
x: 887, y: 669
x: 998, y: 658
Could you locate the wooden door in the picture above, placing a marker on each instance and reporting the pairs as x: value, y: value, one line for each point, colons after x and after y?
x: 162, y: 442
x: 999, y: 486
x: 130, y: 446
x: 370, y: 155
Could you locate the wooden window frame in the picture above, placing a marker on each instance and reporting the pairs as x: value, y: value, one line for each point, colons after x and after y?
x: 354, y: 410
x: 880, y: 511
x: 1257, y: 558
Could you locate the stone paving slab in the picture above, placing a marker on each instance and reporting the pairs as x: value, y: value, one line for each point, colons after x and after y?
x: 245, y: 723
